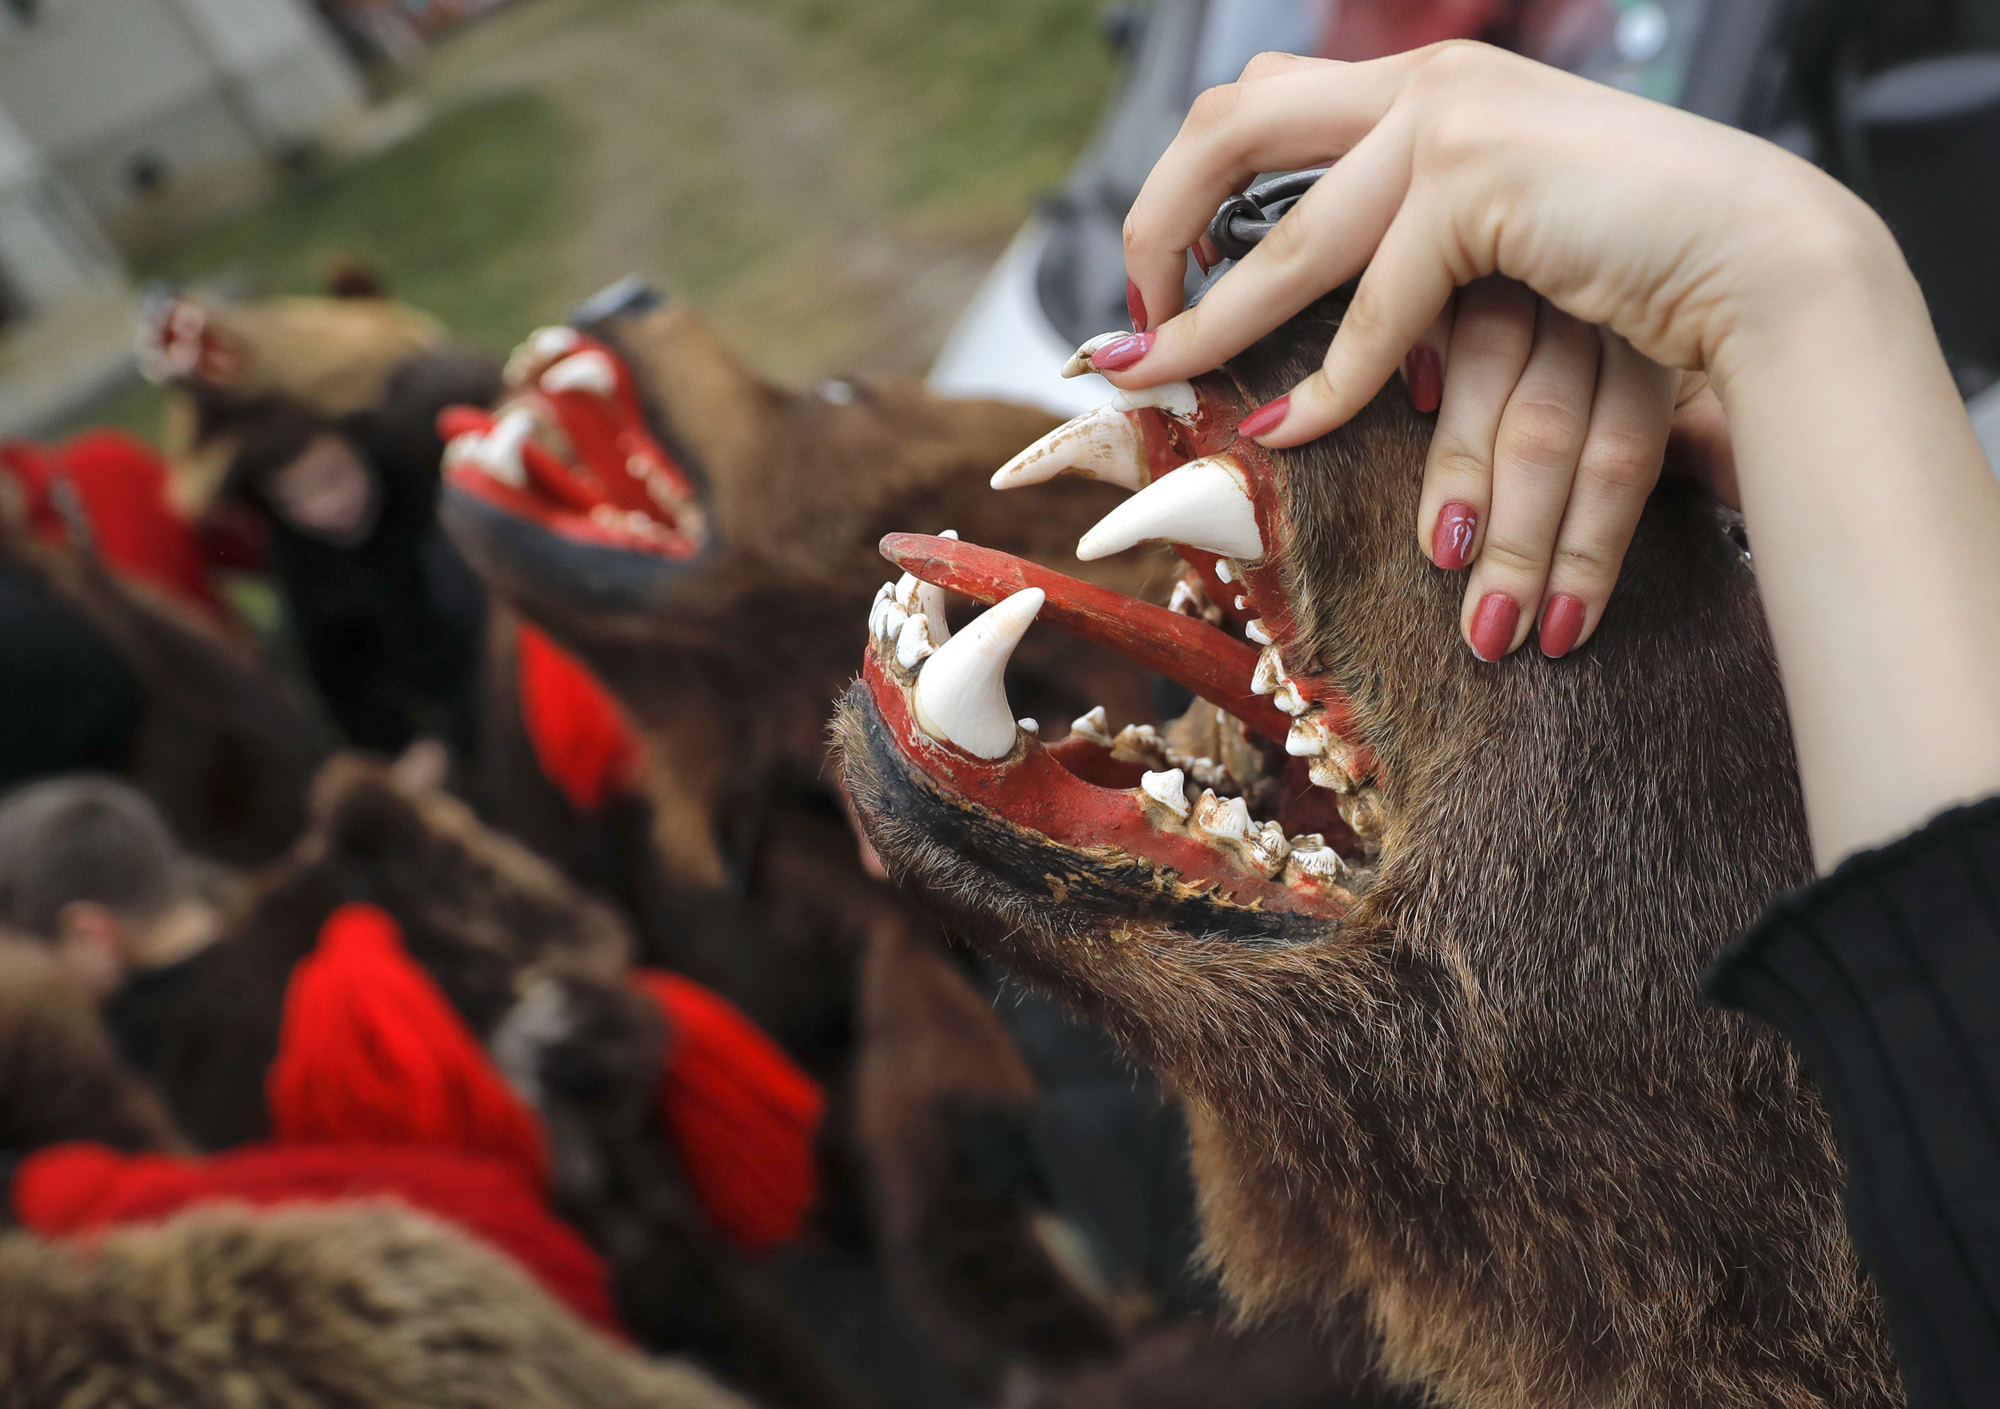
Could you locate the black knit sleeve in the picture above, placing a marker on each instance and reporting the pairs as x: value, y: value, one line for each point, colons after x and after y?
x: 1886, y: 976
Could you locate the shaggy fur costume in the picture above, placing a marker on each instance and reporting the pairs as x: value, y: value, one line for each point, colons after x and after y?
x: 306, y: 1309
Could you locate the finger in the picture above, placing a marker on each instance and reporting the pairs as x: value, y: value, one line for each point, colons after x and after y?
x: 1305, y: 115
x: 1407, y: 284
x: 1535, y: 455
x: 1423, y: 365
x: 1490, y: 341
x: 1321, y: 242
x: 1622, y: 453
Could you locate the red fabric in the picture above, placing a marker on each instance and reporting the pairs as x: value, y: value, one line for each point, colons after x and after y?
x: 1374, y: 29
x: 76, y: 1190
x: 741, y: 1116
x: 582, y: 740
x: 121, y: 486
x: 370, y: 1051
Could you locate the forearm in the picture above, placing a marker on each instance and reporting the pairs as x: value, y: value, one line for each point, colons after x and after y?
x: 1875, y: 524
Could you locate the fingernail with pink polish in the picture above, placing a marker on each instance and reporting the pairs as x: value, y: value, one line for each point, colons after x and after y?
x: 1493, y: 624
x: 1265, y: 418
x: 1124, y: 352
x: 1562, y: 623
x: 1426, y: 377
x: 1135, y: 304
x: 1451, y: 538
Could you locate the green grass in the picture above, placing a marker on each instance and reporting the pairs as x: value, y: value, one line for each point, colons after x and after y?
x: 988, y: 103
x: 464, y: 221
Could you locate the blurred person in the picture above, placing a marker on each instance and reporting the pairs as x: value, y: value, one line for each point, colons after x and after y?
x: 88, y: 866
x: 389, y: 617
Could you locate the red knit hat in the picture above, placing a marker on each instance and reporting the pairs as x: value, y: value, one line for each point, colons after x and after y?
x: 372, y: 1052
x: 75, y: 1190
x: 741, y: 1116
x: 581, y: 738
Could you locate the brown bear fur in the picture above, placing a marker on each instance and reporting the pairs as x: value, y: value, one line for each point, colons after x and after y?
x: 59, y: 1077
x: 1490, y: 1102
x: 310, y: 1308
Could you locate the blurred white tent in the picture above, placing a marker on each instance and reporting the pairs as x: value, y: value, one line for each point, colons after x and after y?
x: 153, y: 110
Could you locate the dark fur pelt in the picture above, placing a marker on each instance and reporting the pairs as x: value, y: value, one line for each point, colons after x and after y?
x: 328, y: 1308
x: 59, y: 1078
x: 1491, y: 1103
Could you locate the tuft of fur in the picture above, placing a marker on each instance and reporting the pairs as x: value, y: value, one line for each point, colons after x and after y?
x: 59, y: 1077
x: 1491, y: 1104
x: 323, y: 1308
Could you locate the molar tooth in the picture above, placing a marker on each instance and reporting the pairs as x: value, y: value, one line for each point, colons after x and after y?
x: 542, y: 345
x: 1204, y: 504
x: 1167, y: 789
x: 1270, y: 846
x: 1318, y: 860
x: 1256, y: 631
x: 1138, y: 743
x: 1269, y: 674
x: 1079, y: 361
x: 1225, y: 818
x: 1287, y: 698
x: 1186, y: 600
x: 1177, y: 399
x: 589, y: 371
x: 1094, y: 726
x: 890, y: 624
x: 960, y: 695
x: 913, y: 642
x: 1310, y: 735
x: 1329, y: 770
x: 1103, y: 444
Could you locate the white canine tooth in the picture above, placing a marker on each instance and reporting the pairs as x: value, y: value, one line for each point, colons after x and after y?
x: 1079, y: 361
x: 1177, y: 399
x: 498, y: 452
x: 553, y: 341
x: 1269, y: 674
x: 1204, y: 504
x: 914, y: 642
x: 1254, y: 629
x: 1224, y: 818
x: 1167, y: 789
x: 1103, y: 444
x: 589, y: 371
x: 961, y: 697
x: 1094, y: 726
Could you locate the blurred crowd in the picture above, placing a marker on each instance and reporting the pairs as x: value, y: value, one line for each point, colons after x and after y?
x: 392, y: 920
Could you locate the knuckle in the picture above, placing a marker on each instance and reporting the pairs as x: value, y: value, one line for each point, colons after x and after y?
x: 1266, y: 65
x: 1289, y: 241
x: 1623, y: 461
x: 1458, y: 464
x: 1514, y: 556
x: 1541, y: 434
x: 1212, y: 107
x: 1130, y: 235
x: 1586, y: 565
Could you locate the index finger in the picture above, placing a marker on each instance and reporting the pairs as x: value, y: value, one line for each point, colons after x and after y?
x: 1303, y: 115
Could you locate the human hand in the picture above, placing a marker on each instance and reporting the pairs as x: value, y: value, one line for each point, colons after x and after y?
x: 1551, y: 431
x: 1550, y: 436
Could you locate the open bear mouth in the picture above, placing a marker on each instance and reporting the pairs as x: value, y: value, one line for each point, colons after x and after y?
x: 570, y: 451
x: 1262, y: 794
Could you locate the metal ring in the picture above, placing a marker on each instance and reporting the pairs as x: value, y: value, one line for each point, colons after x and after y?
x: 1246, y: 218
